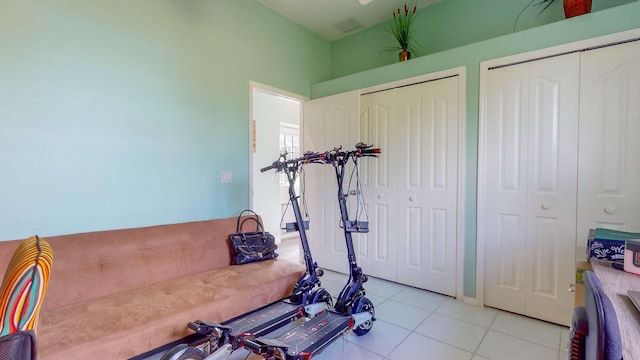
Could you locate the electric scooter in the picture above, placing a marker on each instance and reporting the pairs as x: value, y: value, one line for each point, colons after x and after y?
x: 217, y: 341
x: 305, y: 337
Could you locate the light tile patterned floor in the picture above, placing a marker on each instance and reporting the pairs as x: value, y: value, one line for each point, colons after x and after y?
x: 420, y: 325
x: 417, y: 324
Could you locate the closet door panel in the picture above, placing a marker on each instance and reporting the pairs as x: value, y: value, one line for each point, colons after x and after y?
x: 505, y: 171
x: 328, y: 121
x: 552, y: 188
x: 427, y: 186
x: 377, y: 249
x: 609, y: 132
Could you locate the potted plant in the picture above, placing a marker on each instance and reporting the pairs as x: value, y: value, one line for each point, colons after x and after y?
x: 402, y: 28
x: 576, y: 7
x: 571, y: 7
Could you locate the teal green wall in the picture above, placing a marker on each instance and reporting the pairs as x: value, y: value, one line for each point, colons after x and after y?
x: 446, y: 25
x: 117, y: 113
x: 598, y: 23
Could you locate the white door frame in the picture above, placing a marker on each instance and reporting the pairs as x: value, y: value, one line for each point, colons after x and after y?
x: 582, y: 45
x: 462, y: 121
x: 254, y: 85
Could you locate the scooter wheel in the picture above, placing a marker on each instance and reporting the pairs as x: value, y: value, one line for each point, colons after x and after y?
x: 175, y: 352
x: 322, y: 295
x: 193, y: 354
x: 184, y: 352
x: 364, y: 305
x: 277, y: 354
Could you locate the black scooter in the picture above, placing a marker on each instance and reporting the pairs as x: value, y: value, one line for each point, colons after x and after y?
x: 217, y: 341
x: 305, y: 337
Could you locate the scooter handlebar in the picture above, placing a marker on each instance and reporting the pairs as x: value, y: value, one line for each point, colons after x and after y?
x: 370, y: 151
x: 306, y: 158
x: 267, y: 168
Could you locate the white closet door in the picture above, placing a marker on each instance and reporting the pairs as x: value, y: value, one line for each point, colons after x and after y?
x: 328, y: 122
x: 378, y: 249
x: 552, y: 188
x: 609, y: 182
x: 530, y: 182
x: 427, y: 185
x: 505, y: 187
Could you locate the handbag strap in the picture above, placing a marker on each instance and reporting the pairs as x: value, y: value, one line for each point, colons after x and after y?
x: 253, y: 216
x: 258, y: 225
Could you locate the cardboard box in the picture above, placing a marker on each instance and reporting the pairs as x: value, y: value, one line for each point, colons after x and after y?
x: 581, y: 267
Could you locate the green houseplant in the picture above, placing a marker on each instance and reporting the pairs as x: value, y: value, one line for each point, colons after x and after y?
x: 543, y: 4
x: 571, y: 8
x: 403, y: 29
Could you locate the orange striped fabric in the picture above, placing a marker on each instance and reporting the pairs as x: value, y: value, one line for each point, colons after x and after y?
x: 24, y: 285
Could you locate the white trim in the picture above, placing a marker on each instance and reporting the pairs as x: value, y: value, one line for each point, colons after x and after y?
x: 471, y: 301
x: 457, y: 71
x: 254, y: 85
x: 581, y: 45
x: 277, y: 92
x: 462, y: 130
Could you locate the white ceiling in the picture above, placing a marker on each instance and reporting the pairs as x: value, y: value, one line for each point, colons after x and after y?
x: 326, y: 17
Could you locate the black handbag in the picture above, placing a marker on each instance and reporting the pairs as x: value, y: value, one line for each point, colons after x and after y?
x: 248, y: 247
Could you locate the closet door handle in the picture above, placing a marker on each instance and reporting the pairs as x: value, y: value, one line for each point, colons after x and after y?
x: 380, y: 196
x: 412, y: 198
x: 609, y: 209
x: 545, y: 205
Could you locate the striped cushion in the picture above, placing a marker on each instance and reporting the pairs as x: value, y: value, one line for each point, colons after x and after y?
x: 24, y: 286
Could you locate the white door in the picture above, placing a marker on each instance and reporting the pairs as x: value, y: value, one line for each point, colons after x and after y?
x: 378, y: 249
x: 427, y: 159
x: 530, y: 185
x: 505, y: 177
x: 289, y: 144
x: 609, y: 183
x: 328, y: 122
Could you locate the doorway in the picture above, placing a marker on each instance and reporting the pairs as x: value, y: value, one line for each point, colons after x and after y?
x: 276, y: 122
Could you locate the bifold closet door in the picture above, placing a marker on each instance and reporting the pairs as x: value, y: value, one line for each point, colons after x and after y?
x: 378, y: 249
x: 529, y: 172
x: 411, y: 188
x: 427, y: 185
x: 609, y: 175
x: 328, y: 122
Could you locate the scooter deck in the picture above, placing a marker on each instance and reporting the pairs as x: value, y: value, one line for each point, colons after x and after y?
x: 262, y: 320
x: 258, y: 323
x: 303, y: 337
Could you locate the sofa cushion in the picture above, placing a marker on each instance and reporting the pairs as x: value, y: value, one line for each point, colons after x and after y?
x: 96, y: 264
x: 123, y: 325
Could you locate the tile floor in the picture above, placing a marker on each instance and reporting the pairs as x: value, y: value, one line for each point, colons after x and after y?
x: 420, y: 325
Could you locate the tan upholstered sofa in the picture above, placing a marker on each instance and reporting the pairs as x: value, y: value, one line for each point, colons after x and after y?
x: 119, y: 293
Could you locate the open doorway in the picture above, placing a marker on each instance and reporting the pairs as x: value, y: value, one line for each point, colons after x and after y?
x: 276, y: 123
x: 290, y: 144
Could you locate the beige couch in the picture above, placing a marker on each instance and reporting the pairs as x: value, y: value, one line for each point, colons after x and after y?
x: 119, y: 293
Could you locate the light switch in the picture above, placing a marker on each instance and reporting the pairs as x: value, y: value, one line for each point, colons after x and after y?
x: 225, y: 176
